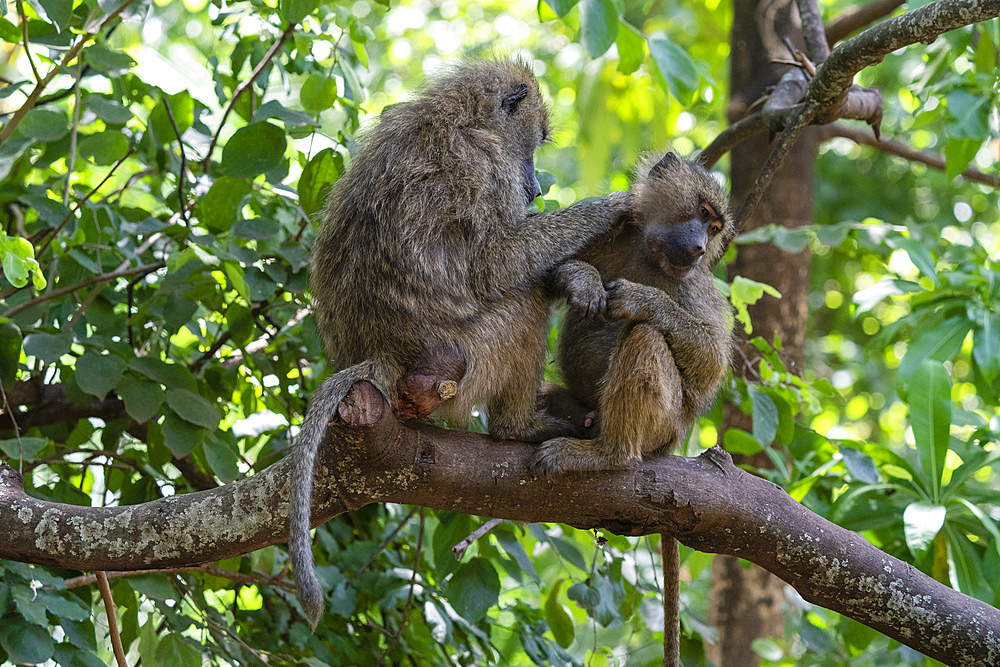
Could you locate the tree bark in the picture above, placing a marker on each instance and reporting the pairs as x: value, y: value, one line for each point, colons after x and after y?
x: 746, y: 603
x: 706, y: 501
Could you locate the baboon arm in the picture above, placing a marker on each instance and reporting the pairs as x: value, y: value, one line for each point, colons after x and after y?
x: 526, y: 253
x: 699, y: 346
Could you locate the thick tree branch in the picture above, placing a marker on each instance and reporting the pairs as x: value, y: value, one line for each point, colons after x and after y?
x: 708, y: 503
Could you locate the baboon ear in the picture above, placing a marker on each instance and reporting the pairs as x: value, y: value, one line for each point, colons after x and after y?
x: 513, y: 97
x: 666, y: 163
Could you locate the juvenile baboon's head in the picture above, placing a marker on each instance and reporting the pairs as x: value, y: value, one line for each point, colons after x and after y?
x: 684, y: 214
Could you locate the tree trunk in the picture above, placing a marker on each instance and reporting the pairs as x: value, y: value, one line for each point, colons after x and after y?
x: 746, y: 602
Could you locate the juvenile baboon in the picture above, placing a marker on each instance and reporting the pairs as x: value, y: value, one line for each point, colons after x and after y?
x: 426, y: 245
x: 652, y: 369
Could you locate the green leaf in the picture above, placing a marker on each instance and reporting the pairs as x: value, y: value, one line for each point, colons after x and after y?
x: 738, y: 441
x: 631, y: 50
x: 918, y: 253
x: 107, y: 61
x: 104, y: 148
x: 193, y: 408
x: 60, y: 12
x: 275, y: 109
x: 253, y: 149
x: 25, y: 644
x: 181, y: 436
x: 25, y: 448
x: 10, y: 352
x: 255, y: 229
x: 861, y: 466
x: 745, y: 292
x: 142, y: 398
x: 171, y: 375
x: 970, y: 115
x: 986, y: 345
x: 569, y: 551
x: 930, y: 417
x: 558, y: 619
x: 222, y: 457
x: 677, y: 69
x: 514, y: 549
x: 561, y: 7
x: 958, y: 153
x: 598, y: 26
x: 318, y: 93
x: 176, y: 650
x: 318, y: 176
x: 98, y: 374
x: 182, y: 104
x: 45, y: 125
x: 473, y: 589
x: 108, y: 110
x: 921, y: 524
x: 765, y: 415
x: 940, y: 343
x: 293, y: 11
x: 220, y: 206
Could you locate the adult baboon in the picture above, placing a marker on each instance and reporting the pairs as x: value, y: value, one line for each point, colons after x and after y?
x: 426, y: 244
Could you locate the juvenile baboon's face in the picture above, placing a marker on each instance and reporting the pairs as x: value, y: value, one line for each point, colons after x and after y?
x: 682, y: 212
x: 677, y: 246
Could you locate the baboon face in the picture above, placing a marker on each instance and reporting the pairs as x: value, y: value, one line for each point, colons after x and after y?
x: 523, y: 121
x: 683, y: 212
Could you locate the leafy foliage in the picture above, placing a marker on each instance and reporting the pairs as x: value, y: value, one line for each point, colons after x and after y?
x: 159, y: 194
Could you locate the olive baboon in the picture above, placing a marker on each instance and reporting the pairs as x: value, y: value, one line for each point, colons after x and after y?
x: 656, y: 368
x: 653, y: 369
x: 425, y: 244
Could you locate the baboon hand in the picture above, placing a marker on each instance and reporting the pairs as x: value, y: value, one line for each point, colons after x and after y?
x: 629, y: 301
x: 587, y: 298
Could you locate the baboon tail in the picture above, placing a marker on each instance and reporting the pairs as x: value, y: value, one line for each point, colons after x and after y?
x: 321, y: 410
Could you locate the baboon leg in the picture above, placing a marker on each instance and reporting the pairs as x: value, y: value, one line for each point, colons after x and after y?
x: 512, y: 413
x: 641, y: 397
x: 640, y: 409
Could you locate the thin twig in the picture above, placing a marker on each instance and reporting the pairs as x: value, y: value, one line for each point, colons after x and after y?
x: 24, y: 35
x: 17, y: 431
x: 242, y: 88
x: 460, y: 548
x: 409, y: 598
x: 29, y: 103
x: 55, y: 294
x: 74, y: 133
x: 109, y: 608
x: 385, y: 543
x: 55, y: 231
x: 245, y: 579
x: 735, y: 134
x: 183, y: 169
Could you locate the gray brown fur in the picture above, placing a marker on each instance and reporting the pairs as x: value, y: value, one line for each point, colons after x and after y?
x: 426, y: 242
x: 658, y: 364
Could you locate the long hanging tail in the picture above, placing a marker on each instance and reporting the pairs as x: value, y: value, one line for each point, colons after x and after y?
x: 321, y: 410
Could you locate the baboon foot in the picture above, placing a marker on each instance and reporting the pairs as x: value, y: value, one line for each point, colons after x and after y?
x: 542, y: 427
x: 363, y: 405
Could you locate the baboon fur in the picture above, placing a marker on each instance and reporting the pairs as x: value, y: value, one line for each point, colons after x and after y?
x: 426, y: 242
x: 656, y: 361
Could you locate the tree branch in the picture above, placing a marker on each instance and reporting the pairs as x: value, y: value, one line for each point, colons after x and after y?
x: 707, y: 502
x: 857, y: 17
x: 933, y: 160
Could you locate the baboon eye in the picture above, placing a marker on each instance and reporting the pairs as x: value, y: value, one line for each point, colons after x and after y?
x: 715, y: 227
x: 706, y: 212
